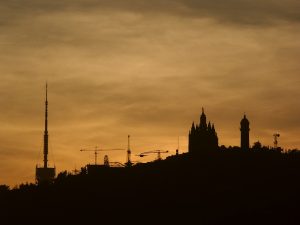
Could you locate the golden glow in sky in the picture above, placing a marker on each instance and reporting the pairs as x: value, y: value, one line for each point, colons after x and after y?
x: 143, y: 68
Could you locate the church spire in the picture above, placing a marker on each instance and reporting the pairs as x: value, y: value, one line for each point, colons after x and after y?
x: 46, y: 130
x: 213, y: 128
x: 193, y: 129
x: 203, y: 124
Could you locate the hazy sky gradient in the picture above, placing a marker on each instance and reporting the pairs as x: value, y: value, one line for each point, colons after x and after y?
x: 143, y: 68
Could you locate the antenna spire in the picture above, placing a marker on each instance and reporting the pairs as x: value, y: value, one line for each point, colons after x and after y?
x: 45, y: 174
x: 46, y: 91
x: 128, y: 163
x: 128, y: 142
x: 46, y: 130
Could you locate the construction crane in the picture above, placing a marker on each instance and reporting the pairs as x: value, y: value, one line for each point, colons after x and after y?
x: 158, y: 152
x: 96, y: 150
x: 276, y: 136
x: 116, y: 164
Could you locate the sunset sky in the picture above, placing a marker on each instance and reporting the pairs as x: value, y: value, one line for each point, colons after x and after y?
x: 144, y: 68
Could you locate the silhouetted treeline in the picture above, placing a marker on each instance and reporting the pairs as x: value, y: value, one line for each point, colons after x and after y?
x: 224, y: 186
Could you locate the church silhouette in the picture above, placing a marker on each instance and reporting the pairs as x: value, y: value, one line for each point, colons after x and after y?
x: 202, y: 137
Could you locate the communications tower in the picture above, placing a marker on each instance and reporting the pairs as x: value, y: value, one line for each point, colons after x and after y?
x: 128, y: 161
x: 45, y: 174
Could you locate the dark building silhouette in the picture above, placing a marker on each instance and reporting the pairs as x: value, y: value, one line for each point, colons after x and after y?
x: 202, y: 137
x: 245, y: 133
x: 45, y: 174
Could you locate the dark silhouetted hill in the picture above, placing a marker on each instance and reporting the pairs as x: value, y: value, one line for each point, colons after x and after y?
x: 228, y: 186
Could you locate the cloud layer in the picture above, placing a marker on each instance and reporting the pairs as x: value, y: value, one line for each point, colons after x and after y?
x: 256, y: 12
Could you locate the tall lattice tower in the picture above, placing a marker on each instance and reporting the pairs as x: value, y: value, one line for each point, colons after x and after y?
x: 45, y: 174
x: 128, y: 161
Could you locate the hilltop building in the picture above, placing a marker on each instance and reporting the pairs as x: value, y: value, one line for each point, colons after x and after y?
x: 245, y: 133
x: 202, y: 137
x: 45, y: 174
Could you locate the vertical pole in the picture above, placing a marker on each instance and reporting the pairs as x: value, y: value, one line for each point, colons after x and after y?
x: 96, y: 156
x: 128, y: 152
x: 46, y: 130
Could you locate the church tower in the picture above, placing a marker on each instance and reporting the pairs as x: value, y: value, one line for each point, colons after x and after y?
x: 245, y: 133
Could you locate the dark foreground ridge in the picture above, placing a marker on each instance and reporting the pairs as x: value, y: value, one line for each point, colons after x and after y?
x: 223, y: 186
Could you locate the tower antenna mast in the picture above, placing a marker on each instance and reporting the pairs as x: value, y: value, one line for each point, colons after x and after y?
x: 128, y: 163
x: 45, y: 173
x: 46, y: 130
